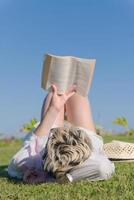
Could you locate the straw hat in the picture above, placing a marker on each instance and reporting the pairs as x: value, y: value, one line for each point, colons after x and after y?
x: 119, y: 150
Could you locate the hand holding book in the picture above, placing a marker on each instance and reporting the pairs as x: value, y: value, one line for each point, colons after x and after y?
x: 64, y: 71
x: 58, y: 101
x: 53, y: 99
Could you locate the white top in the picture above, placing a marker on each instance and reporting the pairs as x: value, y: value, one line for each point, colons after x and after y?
x: 30, y: 154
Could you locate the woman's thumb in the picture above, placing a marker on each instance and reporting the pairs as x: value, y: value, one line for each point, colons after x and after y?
x: 54, y: 88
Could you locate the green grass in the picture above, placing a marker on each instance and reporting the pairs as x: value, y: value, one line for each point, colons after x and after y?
x: 120, y: 186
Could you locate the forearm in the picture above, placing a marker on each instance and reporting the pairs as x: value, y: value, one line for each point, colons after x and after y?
x: 59, y: 122
x: 46, y: 105
x: 47, y: 122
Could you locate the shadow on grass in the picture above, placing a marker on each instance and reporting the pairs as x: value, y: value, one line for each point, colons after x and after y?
x: 4, y: 174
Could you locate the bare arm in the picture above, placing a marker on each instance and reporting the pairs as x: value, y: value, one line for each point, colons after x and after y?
x: 46, y: 104
x: 47, y: 122
x: 53, y: 109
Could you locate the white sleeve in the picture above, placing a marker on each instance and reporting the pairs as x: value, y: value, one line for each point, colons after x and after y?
x: 99, y: 168
x: 28, y: 156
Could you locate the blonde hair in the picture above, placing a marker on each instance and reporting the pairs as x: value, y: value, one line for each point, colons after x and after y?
x: 67, y: 148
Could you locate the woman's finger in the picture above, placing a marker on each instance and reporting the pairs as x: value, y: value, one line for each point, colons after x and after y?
x: 54, y: 89
x: 71, y: 94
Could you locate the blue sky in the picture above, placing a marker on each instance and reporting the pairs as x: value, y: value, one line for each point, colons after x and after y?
x: 86, y: 28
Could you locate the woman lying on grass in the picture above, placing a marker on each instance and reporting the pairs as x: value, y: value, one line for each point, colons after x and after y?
x: 53, y: 151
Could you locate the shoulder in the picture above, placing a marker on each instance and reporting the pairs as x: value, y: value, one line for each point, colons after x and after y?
x: 96, y: 140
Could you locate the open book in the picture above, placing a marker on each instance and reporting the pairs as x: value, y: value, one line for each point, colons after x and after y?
x: 64, y: 71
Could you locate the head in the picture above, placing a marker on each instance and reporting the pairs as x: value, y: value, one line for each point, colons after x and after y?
x: 67, y: 148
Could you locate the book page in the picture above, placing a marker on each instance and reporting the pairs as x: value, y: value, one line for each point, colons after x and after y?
x: 63, y: 71
x: 56, y: 71
x: 84, y: 75
x: 72, y: 74
x: 91, y: 73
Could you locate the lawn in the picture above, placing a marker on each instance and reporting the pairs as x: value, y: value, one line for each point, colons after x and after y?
x: 120, y: 186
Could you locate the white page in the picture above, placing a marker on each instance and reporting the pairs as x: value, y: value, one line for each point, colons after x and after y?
x: 59, y: 73
x: 64, y: 71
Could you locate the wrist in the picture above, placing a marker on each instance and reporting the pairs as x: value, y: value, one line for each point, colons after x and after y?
x: 47, y: 122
